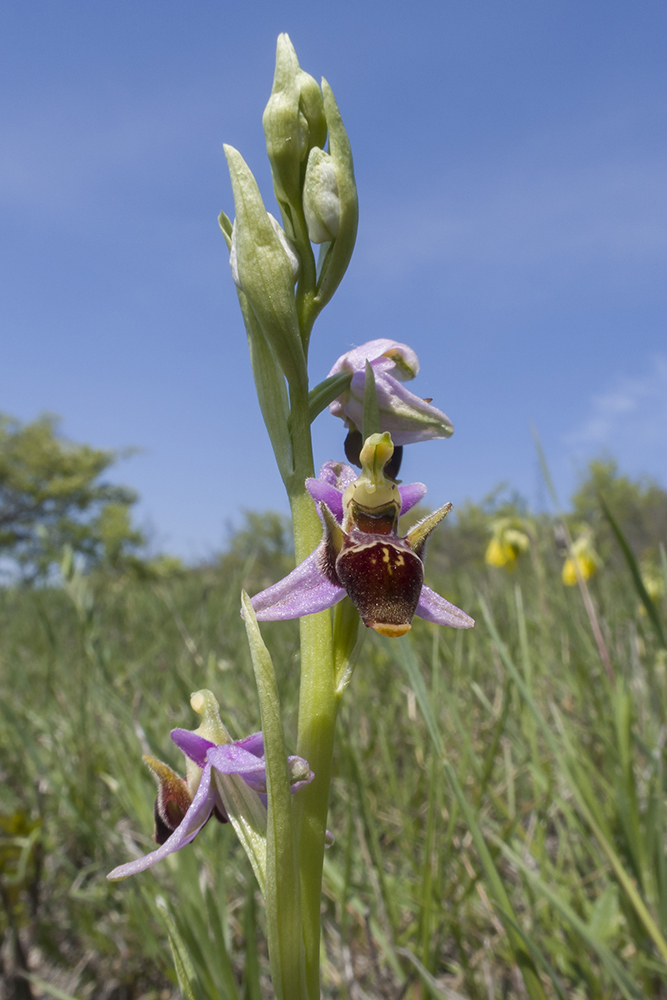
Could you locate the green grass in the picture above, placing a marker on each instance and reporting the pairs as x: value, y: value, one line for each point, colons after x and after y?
x: 497, y: 800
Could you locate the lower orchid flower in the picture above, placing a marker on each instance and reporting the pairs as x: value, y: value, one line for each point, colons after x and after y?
x: 184, y: 806
x: 361, y: 553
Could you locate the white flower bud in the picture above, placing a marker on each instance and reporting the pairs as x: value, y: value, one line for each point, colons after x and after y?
x: 286, y: 245
x: 321, y: 203
x: 284, y: 242
x: 233, y: 261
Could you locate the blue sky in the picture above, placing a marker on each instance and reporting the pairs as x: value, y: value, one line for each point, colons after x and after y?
x: 510, y: 161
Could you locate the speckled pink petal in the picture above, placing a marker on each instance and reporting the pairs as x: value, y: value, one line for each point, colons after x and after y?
x: 193, y: 746
x: 411, y: 494
x: 337, y: 474
x: 230, y: 758
x: 253, y: 744
x: 407, y: 417
x: 434, y: 608
x: 324, y: 493
x: 304, y: 592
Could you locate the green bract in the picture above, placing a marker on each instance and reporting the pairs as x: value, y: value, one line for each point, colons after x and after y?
x: 264, y: 270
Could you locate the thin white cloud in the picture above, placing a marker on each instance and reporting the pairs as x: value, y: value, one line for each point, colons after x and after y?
x: 629, y: 421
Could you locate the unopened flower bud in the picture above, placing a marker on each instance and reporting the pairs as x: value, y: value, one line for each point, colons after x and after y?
x: 334, y: 259
x: 311, y: 106
x: 321, y: 204
x: 293, y: 122
x: 299, y: 772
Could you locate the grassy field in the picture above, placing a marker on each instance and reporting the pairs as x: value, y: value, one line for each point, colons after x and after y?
x: 496, y: 790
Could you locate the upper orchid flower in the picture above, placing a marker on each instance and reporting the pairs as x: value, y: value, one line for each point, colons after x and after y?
x: 184, y: 806
x: 361, y: 553
x: 407, y: 417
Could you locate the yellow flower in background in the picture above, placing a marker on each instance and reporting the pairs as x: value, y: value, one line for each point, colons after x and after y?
x: 497, y: 554
x: 655, y: 585
x: 654, y: 581
x: 508, y: 542
x: 586, y: 558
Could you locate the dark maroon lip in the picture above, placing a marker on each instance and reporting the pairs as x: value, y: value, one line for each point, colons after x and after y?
x: 382, y: 577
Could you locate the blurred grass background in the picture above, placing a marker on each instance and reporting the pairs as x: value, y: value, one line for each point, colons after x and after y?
x: 495, y: 790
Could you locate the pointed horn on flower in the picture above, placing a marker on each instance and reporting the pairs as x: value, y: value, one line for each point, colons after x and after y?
x: 419, y: 533
x: 172, y: 802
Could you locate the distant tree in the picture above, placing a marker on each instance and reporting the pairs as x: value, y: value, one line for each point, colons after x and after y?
x: 639, y: 506
x: 52, y: 495
x: 260, y: 552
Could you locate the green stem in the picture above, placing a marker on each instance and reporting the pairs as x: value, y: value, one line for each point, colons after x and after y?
x: 318, y: 708
x: 283, y: 892
x: 305, y: 290
x: 318, y: 705
x: 305, y: 522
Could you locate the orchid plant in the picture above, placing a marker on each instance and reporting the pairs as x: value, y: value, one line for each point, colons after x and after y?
x: 354, y: 572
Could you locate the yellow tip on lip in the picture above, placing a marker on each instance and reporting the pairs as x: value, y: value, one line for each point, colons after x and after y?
x: 393, y: 631
x: 197, y: 702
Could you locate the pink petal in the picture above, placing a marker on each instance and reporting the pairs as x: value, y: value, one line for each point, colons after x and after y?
x: 411, y: 494
x: 324, y: 493
x: 253, y: 744
x: 192, y: 745
x: 407, y: 417
x: 230, y: 758
x: 194, y: 819
x: 304, y: 592
x: 355, y: 360
x: 434, y: 608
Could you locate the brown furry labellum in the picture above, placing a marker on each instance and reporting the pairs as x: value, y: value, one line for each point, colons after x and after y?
x: 383, y: 578
x: 381, y: 572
